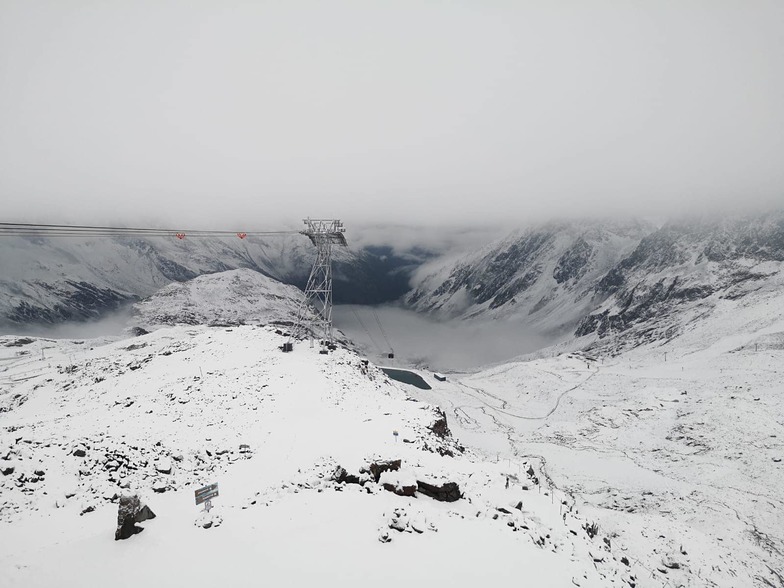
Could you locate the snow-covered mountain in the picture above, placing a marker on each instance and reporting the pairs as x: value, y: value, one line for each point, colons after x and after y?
x: 680, y: 272
x: 615, y: 283
x: 48, y: 281
x: 543, y: 276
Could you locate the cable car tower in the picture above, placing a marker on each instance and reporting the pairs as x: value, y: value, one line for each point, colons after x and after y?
x: 324, y: 234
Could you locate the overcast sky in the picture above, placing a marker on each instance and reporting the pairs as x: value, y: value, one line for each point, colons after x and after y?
x: 421, y: 111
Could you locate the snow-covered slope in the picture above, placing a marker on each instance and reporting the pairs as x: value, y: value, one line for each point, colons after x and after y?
x: 167, y: 412
x: 226, y: 298
x: 676, y: 448
x: 542, y: 276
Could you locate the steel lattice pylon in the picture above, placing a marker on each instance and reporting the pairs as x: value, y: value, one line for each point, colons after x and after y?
x: 318, y: 292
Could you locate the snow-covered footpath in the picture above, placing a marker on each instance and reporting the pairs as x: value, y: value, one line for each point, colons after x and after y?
x: 571, y: 471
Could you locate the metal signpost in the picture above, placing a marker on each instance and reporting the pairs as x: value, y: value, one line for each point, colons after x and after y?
x: 206, y: 494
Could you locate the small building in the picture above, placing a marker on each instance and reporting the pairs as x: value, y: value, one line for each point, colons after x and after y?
x: 439, y: 377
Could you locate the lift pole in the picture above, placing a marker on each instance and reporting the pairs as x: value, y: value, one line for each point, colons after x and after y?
x: 324, y: 234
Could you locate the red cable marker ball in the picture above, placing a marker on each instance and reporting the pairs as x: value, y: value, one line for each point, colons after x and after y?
x: 179, y: 235
x: 242, y: 235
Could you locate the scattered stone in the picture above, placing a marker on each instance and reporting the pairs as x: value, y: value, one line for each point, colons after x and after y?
x: 208, y: 520
x: 163, y: 466
x: 86, y: 509
x: 8, y: 470
x: 418, y: 525
x: 159, y: 486
x: 80, y: 451
x: 129, y: 512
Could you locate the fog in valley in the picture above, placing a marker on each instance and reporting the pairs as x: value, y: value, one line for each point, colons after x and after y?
x: 427, y: 343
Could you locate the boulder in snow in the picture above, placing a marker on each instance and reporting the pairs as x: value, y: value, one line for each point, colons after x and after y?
x: 448, y: 492
x: 131, y: 511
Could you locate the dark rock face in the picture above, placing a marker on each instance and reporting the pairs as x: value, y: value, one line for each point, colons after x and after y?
x: 449, y: 492
x: 131, y: 511
x: 377, y: 468
x: 401, y: 490
x: 341, y: 476
x: 573, y: 264
x: 439, y: 426
x: 21, y: 342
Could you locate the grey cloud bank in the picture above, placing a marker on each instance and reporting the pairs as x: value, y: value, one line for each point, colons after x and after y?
x: 209, y: 113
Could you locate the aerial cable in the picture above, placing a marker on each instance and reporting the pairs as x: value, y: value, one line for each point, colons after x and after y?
x: 362, y: 324
x: 391, y: 353
x: 54, y: 230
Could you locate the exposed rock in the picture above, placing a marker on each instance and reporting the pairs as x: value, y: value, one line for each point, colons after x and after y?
x: 448, y: 492
x: 439, y: 426
x: 401, y: 490
x: 129, y: 512
x: 19, y: 342
x: 341, y: 476
x: 379, y: 467
x: 79, y: 451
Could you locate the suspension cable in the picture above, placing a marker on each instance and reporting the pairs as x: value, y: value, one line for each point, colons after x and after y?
x: 53, y: 230
x: 374, y: 313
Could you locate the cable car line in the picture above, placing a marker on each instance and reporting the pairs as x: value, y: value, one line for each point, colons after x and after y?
x: 391, y: 353
x: 53, y: 230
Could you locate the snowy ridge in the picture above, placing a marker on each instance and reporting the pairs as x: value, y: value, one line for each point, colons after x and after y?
x: 227, y: 298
